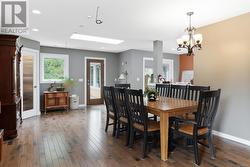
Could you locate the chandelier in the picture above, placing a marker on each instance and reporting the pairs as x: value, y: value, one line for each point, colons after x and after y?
x: 190, y: 41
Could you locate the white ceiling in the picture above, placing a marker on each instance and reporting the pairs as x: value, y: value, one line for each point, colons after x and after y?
x: 137, y: 22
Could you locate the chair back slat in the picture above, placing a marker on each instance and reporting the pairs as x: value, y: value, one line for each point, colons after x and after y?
x: 193, y: 92
x: 109, y: 99
x: 135, y: 105
x: 120, y: 104
x: 178, y: 91
x: 163, y: 89
x: 207, y: 108
x: 123, y: 86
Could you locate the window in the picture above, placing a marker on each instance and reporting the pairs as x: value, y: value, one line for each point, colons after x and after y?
x: 168, y: 69
x: 54, y: 67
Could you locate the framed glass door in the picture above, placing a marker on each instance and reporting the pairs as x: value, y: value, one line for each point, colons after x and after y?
x: 29, y: 83
x: 95, y: 81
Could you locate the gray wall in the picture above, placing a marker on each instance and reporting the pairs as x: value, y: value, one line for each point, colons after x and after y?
x: 134, y: 59
x: 77, y: 67
x: 28, y: 43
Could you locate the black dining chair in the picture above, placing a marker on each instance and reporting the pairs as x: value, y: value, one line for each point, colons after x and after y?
x: 123, y: 86
x: 139, y: 118
x: 110, y: 107
x: 122, y: 112
x: 163, y: 89
x: 201, y: 127
x: 193, y: 92
x: 178, y: 91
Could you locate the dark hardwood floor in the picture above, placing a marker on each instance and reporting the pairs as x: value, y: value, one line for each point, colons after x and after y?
x: 77, y: 138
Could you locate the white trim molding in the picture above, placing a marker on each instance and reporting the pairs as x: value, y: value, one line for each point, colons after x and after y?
x: 232, y: 138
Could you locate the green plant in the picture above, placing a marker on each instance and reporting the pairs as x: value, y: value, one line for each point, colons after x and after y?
x: 150, y: 91
x: 68, y: 83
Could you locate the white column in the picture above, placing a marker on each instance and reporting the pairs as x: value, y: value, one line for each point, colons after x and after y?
x: 158, y: 57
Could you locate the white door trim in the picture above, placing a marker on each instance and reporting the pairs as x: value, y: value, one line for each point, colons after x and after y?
x: 85, y: 74
x: 35, y: 53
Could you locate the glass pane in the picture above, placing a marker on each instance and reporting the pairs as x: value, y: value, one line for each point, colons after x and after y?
x: 95, y: 80
x: 27, y: 83
x: 166, y: 73
x: 53, y: 68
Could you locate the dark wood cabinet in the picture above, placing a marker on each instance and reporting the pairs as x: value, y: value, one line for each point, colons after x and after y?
x: 10, y: 96
x: 55, y: 100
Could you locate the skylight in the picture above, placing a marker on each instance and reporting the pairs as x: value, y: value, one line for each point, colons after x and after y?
x: 95, y: 39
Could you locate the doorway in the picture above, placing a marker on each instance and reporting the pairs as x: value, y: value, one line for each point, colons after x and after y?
x: 30, y: 82
x: 95, y: 81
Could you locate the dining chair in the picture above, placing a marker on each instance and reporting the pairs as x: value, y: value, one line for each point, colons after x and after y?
x: 193, y: 92
x: 178, y: 91
x: 122, y: 112
x: 163, y: 89
x: 139, y: 118
x: 123, y: 86
x: 201, y: 127
x: 110, y: 107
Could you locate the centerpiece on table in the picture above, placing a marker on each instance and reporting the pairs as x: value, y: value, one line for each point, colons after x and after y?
x: 151, y: 93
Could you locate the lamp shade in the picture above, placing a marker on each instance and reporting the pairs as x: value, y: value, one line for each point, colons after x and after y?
x: 122, y: 77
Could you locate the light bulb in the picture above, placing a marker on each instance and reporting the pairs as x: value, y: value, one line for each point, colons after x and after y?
x: 198, y: 38
x: 179, y: 41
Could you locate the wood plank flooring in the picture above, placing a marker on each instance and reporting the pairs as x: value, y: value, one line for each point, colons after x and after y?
x: 77, y: 138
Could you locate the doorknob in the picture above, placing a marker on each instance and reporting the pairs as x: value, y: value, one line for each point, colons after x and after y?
x: 35, y: 86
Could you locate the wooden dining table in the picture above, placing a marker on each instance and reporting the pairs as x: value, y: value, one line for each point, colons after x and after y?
x: 164, y: 108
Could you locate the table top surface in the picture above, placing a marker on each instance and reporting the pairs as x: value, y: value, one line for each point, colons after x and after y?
x: 165, y: 104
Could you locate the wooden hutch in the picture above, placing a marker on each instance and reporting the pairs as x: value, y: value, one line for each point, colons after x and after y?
x: 10, y: 96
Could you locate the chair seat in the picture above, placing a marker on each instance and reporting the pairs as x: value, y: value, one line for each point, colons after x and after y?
x: 188, y: 129
x: 124, y: 120
x: 152, y: 126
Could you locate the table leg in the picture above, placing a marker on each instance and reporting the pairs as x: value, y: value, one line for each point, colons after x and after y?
x: 164, y: 123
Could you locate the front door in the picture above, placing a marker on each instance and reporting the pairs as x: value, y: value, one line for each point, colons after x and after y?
x: 29, y: 81
x: 95, y: 81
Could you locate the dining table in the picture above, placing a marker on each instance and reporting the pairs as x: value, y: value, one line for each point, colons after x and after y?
x: 166, y: 107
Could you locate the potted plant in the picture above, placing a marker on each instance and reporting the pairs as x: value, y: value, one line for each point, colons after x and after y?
x: 68, y: 84
x: 151, y: 93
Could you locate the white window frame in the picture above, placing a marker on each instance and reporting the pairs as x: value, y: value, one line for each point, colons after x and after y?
x: 55, y: 56
x: 170, y: 62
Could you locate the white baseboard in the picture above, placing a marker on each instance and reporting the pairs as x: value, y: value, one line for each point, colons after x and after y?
x: 233, y: 138
x: 82, y: 105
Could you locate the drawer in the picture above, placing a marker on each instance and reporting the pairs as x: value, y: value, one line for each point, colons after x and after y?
x: 53, y: 95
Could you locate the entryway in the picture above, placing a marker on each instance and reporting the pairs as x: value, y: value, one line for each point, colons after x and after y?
x: 95, y: 81
x: 29, y: 75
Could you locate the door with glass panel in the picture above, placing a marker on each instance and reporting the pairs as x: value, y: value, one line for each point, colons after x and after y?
x: 95, y: 81
x: 29, y: 81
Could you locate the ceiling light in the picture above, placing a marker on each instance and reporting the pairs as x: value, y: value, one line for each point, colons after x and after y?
x: 89, y: 17
x: 102, y: 47
x: 35, y: 11
x: 190, y: 41
x: 96, y: 39
x: 35, y: 29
